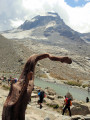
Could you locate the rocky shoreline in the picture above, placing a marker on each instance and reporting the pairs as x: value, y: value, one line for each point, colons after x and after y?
x: 64, y: 82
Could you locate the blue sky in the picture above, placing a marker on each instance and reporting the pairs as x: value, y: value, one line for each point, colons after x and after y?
x: 77, y: 3
x: 75, y: 13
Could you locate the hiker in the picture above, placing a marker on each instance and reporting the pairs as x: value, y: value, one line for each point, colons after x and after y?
x: 67, y: 103
x: 9, y: 80
x: 12, y: 81
x: 15, y: 80
x: 3, y: 78
x: 41, y: 95
x: 87, y: 99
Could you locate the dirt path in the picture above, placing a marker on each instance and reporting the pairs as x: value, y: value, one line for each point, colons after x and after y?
x: 33, y: 112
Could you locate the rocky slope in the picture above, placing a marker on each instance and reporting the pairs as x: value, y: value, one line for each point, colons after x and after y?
x: 11, y: 59
x: 49, y: 34
x: 8, y: 57
x: 86, y: 37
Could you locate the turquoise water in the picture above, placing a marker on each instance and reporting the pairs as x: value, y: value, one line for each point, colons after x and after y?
x: 61, y: 89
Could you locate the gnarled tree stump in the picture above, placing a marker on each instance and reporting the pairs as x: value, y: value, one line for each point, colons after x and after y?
x: 20, y: 92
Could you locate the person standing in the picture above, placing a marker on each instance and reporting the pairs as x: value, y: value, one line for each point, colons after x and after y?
x: 87, y: 99
x: 67, y: 103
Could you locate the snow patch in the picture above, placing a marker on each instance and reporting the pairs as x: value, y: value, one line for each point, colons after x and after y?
x: 51, y: 24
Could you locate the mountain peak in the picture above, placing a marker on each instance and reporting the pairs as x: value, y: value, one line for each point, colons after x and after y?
x: 41, y: 20
x: 51, y: 22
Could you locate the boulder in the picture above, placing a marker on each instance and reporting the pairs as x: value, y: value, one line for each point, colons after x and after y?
x: 47, y: 118
x: 79, y: 109
x: 34, y: 95
x: 50, y: 97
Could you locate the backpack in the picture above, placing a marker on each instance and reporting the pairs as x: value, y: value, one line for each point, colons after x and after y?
x: 69, y: 102
x: 42, y: 93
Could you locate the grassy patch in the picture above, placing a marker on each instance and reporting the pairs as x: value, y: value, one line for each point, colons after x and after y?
x: 85, y: 85
x: 43, y: 76
x: 55, y: 106
x: 74, y: 83
x: 56, y: 76
x: 6, y: 87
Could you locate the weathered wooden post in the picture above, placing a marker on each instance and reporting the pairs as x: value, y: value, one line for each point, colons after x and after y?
x: 15, y: 105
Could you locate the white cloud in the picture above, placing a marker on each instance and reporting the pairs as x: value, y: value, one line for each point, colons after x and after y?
x: 31, y: 5
x: 77, y: 18
x: 16, y: 23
